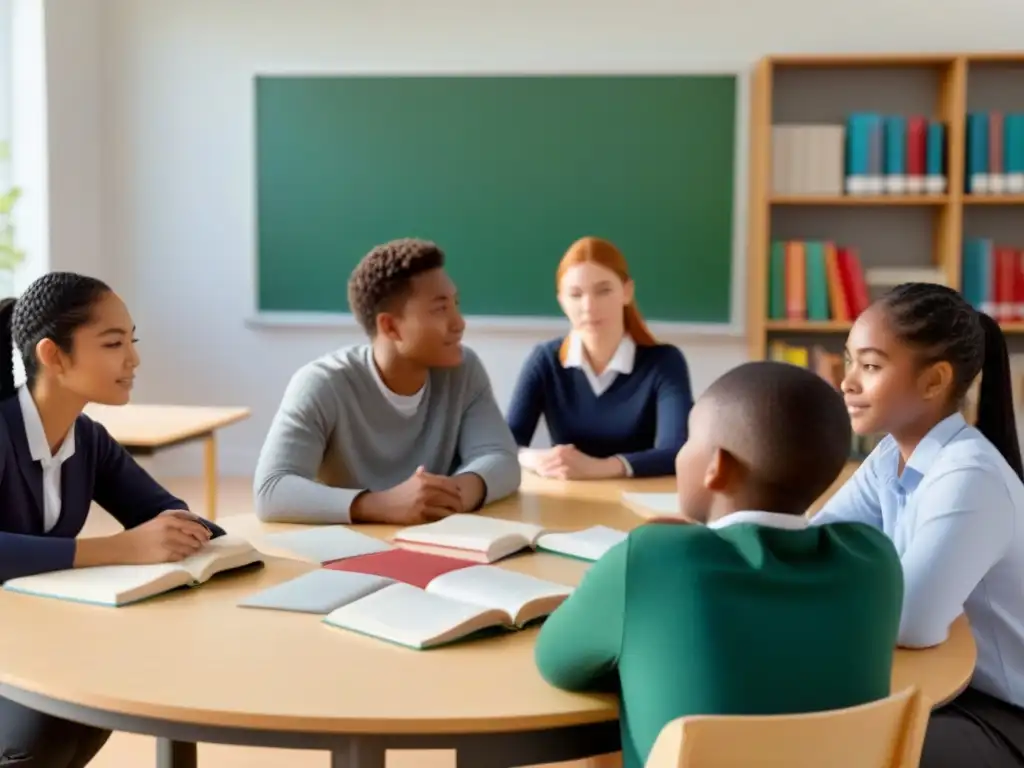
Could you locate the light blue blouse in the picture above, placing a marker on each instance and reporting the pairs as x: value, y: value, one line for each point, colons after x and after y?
x: 956, y: 516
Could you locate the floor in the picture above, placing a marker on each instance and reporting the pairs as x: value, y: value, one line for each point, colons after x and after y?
x: 130, y: 751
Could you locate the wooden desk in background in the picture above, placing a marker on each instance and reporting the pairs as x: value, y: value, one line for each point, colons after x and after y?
x: 284, y: 679
x: 146, y: 429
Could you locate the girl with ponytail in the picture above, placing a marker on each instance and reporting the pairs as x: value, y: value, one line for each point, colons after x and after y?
x: 74, y: 339
x: 615, y: 401
x: 951, y: 498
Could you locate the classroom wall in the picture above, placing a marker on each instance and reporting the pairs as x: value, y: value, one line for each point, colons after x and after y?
x: 171, y: 101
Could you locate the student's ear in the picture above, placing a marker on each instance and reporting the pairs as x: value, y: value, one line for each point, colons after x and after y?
x: 387, y: 326
x: 629, y: 291
x: 50, y: 356
x: 719, y: 470
x: 936, y: 380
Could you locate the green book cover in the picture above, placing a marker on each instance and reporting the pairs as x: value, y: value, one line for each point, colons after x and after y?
x: 777, y: 281
x: 817, y: 281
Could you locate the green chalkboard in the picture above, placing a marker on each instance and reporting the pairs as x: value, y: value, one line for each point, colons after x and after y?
x: 503, y: 173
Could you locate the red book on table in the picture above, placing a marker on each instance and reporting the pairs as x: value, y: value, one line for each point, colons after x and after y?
x: 415, y: 568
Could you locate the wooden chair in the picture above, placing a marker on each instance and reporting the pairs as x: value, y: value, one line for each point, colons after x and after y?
x: 884, y: 734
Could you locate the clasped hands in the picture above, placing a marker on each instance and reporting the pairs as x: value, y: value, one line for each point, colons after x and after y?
x: 422, y: 498
x: 566, y: 462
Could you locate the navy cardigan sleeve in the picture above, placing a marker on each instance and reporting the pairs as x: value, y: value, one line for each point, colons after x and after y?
x: 126, y: 490
x: 674, y: 401
x: 527, y: 403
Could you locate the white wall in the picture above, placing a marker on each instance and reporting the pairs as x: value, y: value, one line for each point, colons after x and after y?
x: 167, y: 86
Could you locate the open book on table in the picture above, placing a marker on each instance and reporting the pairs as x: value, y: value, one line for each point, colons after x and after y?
x: 116, y: 585
x: 488, y: 539
x: 452, y: 606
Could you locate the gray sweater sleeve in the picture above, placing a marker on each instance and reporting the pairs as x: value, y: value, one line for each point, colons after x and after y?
x: 486, y: 445
x: 286, y: 485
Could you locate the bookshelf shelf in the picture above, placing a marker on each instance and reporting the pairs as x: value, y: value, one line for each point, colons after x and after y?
x: 808, y: 326
x: 993, y: 199
x: 859, y: 199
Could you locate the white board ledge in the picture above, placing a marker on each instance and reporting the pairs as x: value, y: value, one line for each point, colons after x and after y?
x: 476, y: 324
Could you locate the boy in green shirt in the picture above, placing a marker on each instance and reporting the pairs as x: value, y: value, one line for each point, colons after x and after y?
x: 748, y: 610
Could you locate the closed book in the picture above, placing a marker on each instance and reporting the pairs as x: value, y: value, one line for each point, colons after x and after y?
x: 895, y: 166
x: 1013, y: 152
x: 973, y: 272
x: 917, y: 153
x: 935, y: 166
x: 976, y: 172
x: 777, y: 281
x: 858, y: 153
x: 817, y: 281
x: 996, y: 167
x: 320, y: 544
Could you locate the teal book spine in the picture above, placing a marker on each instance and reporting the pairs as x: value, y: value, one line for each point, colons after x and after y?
x: 895, y: 165
x: 976, y: 170
x: 935, y: 158
x: 817, y: 281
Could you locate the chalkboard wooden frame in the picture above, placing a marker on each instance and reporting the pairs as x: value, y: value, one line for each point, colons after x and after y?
x: 302, y: 320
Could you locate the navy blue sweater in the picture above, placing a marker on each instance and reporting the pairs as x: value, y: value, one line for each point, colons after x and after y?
x: 100, y: 470
x: 642, y: 416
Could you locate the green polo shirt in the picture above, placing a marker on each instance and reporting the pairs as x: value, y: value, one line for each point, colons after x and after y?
x: 757, y: 614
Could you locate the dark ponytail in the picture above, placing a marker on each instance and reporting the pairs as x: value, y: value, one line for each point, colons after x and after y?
x: 943, y: 326
x: 7, y: 344
x: 996, y: 419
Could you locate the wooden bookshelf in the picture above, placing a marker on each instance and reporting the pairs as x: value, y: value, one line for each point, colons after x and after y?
x: 889, y: 230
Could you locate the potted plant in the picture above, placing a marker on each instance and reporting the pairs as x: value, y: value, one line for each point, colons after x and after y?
x: 10, y: 255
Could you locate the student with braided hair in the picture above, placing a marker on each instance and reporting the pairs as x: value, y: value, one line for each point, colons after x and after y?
x: 951, y: 498
x: 74, y: 338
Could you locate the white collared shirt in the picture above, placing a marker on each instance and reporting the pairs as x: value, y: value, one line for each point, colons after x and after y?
x: 621, y: 362
x: 404, y: 404
x: 39, y: 448
x: 767, y: 519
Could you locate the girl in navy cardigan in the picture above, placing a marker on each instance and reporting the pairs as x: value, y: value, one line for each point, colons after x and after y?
x: 616, y: 403
x: 74, y: 337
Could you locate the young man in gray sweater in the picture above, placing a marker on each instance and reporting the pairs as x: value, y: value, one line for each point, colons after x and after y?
x: 402, y: 430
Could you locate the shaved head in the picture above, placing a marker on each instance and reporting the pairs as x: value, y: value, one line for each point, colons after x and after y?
x: 783, y: 428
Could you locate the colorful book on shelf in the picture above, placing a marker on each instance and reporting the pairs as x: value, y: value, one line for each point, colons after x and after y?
x: 487, y: 539
x: 119, y: 585
x: 320, y: 544
x: 807, y: 159
x: 450, y: 607
x: 992, y: 278
x: 894, y: 154
x: 994, y: 153
x: 828, y: 365
x: 815, y: 281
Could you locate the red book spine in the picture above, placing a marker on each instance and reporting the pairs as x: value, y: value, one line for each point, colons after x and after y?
x: 917, y: 149
x: 1004, y: 276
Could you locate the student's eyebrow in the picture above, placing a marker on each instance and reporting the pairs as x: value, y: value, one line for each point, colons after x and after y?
x: 116, y: 332
x: 867, y: 351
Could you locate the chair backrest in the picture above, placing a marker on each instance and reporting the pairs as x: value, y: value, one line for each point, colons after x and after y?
x: 888, y: 733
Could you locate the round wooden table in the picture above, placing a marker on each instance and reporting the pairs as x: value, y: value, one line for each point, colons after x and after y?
x: 191, y: 666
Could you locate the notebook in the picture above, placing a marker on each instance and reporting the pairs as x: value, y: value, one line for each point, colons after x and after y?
x: 487, y: 539
x: 652, y: 504
x: 453, y: 606
x: 321, y: 544
x: 117, y: 585
x: 319, y: 591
